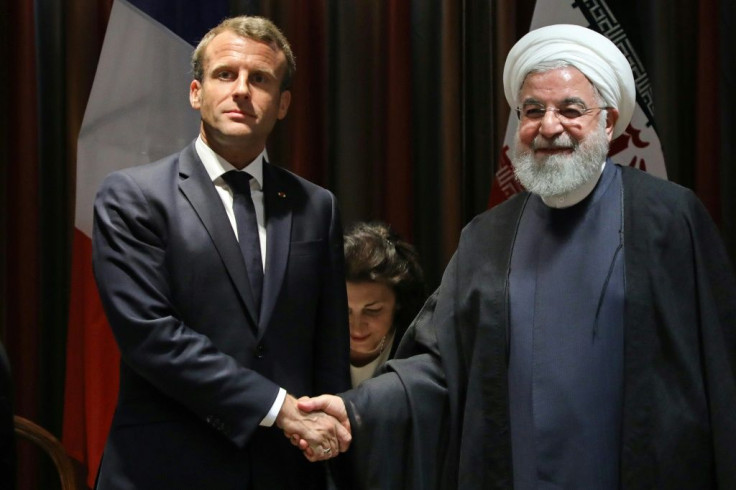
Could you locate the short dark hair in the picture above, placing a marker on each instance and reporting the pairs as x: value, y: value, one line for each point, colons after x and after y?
x: 375, y: 253
x: 251, y: 27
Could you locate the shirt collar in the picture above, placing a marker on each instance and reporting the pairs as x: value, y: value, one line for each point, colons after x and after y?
x: 576, y: 195
x: 216, y: 166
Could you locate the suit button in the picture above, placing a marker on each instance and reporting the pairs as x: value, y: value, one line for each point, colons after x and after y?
x: 260, y: 351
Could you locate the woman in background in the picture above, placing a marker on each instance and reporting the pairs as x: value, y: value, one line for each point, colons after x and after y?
x: 385, y: 286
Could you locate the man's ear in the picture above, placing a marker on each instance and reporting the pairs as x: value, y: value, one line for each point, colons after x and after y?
x: 195, y: 94
x: 611, y: 118
x: 284, y: 101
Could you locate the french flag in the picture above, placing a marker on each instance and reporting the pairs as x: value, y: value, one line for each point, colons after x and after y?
x: 138, y: 111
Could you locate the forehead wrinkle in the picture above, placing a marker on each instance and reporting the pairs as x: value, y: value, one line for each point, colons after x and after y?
x: 255, y: 67
x: 233, y: 56
x: 574, y: 100
x: 532, y: 101
x: 232, y: 49
x: 561, y: 82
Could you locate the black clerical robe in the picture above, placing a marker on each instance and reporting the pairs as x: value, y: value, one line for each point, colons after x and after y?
x: 566, y: 324
x: 439, y: 417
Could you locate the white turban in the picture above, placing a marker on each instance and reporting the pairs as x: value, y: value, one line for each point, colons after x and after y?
x: 591, y: 53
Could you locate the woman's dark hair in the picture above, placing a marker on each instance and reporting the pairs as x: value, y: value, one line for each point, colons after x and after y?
x: 375, y: 253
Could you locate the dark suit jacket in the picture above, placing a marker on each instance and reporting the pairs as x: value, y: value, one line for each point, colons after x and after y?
x: 199, y: 370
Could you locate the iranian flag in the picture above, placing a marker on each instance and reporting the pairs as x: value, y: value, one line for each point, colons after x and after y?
x: 138, y: 112
x: 639, y: 145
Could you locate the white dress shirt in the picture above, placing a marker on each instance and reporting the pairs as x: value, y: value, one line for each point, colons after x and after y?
x: 216, y: 166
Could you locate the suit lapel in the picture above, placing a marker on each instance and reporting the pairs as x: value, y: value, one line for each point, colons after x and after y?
x: 278, y: 212
x: 196, y: 185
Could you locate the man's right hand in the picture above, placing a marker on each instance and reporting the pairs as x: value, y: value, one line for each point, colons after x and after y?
x: 318, y: 434
x: 329, y: 404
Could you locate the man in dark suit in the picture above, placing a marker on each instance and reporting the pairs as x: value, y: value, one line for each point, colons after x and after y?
x: 222, y: 279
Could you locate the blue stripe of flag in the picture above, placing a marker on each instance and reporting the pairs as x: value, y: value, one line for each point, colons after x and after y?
x: 188, y: 19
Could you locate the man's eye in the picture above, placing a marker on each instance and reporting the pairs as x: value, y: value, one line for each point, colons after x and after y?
x: 372, y: 311
x: 534, y: 113
x: 225, y: 75
x: 571, y: 112
x: 258, y: 78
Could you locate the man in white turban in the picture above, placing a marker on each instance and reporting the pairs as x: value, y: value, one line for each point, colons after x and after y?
x: 584, y: 334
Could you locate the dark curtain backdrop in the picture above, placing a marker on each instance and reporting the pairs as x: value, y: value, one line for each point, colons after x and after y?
x: 398, y: 108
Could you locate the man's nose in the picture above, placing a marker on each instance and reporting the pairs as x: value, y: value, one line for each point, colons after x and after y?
x: 550, y: 125
x: 242, y: 87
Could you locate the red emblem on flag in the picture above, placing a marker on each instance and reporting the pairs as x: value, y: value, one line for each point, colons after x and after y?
x: 505, y: 184
x: 630, y: 136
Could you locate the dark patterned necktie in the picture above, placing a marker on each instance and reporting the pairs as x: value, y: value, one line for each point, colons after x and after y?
x: 245, y: 217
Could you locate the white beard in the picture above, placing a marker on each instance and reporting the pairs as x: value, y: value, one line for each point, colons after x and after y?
x: 555, y: 175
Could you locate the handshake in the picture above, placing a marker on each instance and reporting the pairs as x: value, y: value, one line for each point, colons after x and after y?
x: 318, y: 426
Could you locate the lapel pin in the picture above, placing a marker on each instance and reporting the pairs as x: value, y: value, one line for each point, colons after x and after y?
x: 281, y: 194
